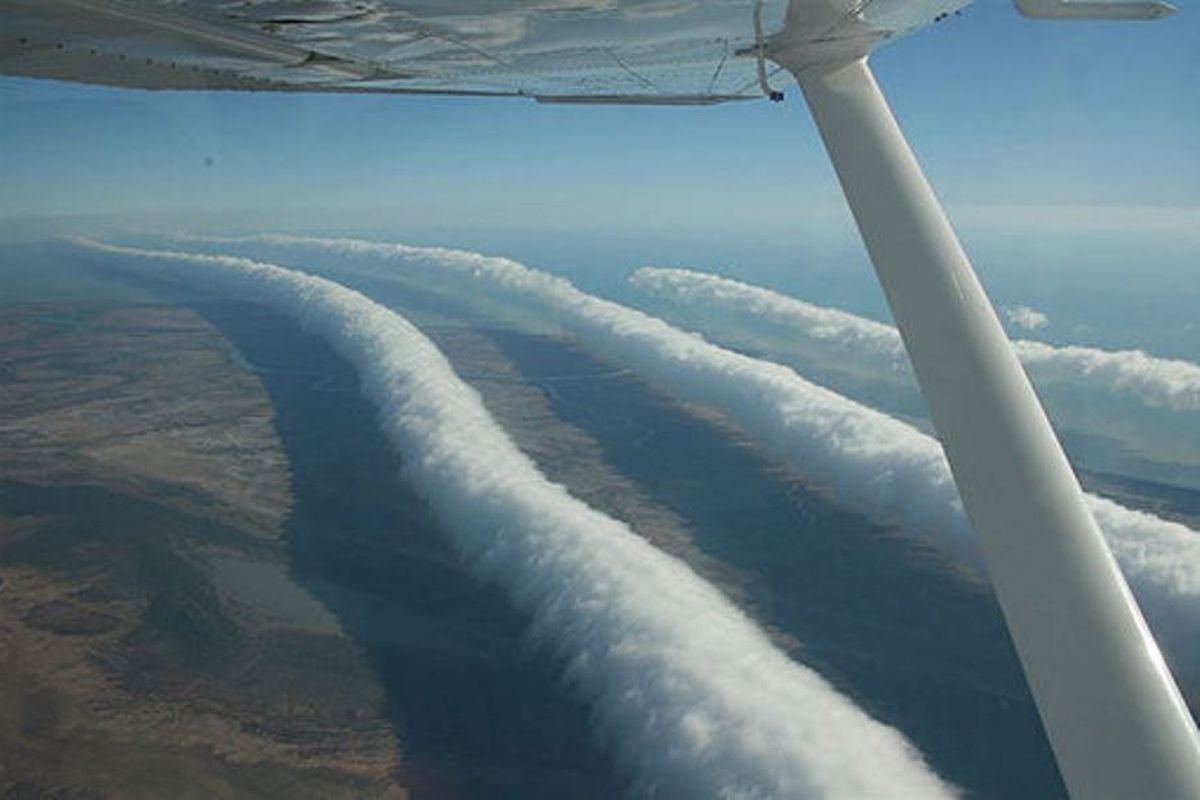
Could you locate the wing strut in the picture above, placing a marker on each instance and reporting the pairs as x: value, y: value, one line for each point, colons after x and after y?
x: 1116, y: 721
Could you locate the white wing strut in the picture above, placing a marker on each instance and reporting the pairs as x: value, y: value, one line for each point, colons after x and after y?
x: 1116, y: 721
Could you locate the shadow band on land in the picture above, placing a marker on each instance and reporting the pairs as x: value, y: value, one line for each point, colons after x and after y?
x: 880, y: 617
x: 477, y: 711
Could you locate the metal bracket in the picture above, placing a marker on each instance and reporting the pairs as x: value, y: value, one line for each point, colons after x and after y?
x: 760, y: 53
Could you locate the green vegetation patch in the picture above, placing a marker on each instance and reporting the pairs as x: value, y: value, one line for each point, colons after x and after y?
x: 182, y: 606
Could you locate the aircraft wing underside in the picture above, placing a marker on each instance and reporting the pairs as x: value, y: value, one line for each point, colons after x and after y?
x: 649, y: 51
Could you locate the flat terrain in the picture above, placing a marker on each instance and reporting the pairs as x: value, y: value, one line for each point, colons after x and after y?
x: 140, y: 462
x: 142, y: 399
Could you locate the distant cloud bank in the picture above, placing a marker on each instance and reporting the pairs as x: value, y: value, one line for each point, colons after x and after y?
x: 1026, y: 318
x: 688, y: 692
x: 871, y: 462
x: 1157, y: 382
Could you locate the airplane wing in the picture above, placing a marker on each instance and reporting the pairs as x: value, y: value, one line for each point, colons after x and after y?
x: 635, y: 51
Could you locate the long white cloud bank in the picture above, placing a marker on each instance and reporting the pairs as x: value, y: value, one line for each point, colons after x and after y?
x: 692, y: 696
x: 872, y: 462
x: 1157, y: 382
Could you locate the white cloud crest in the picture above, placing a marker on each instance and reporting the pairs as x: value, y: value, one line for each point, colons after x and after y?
x: 690, y: 694
x: 870, y: 461
x: 1156, y: 382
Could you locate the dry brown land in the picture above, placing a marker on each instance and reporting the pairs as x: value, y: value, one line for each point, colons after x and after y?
x: 135, y: 451
x: 138, y: 399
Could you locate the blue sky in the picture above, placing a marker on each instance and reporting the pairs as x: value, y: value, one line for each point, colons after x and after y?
x: 1001, y: 110
x: 1036, y: 134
